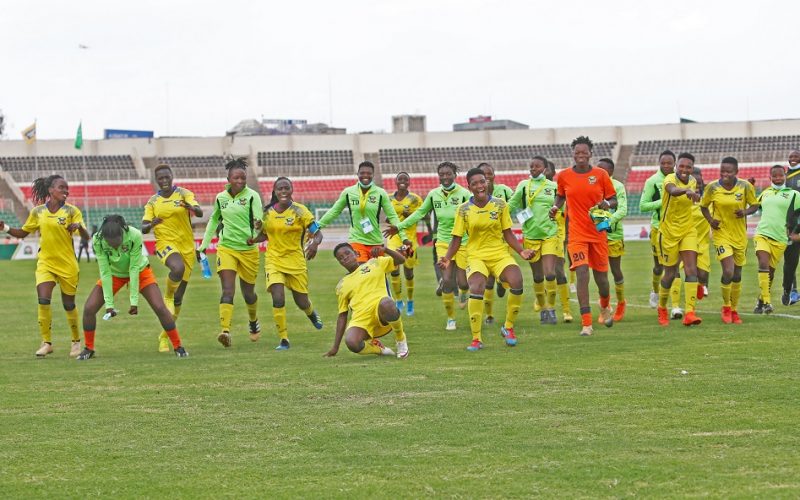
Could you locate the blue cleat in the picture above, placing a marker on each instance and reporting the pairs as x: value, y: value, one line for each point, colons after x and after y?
x: 283, y: 346
x: 794, y: 297
x: 410, y: 308
x: 315, y: 320
x: 399, y: 304
x: 508, y: 334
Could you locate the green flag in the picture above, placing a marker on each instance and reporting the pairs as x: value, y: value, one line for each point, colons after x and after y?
x: 79, y: 136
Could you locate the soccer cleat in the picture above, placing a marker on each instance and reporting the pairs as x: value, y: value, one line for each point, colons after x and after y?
x: 385, y: 351
x: 489, y: 320
x: 653, y: 299
x: 587, y: 331
x: 573, y: 288
x: 224, y: 338
x: 451, y: 324
x: 794, y: 297
x: 44, y: 349
x: 567, y: 317
x: 462, y: 300
x: 726, y: 315
x: 501, y: 290
x: 701, y: 291
x: 705, y: 291
x: 508, y: 334
x: 544, y: 316
x: 399, y: 305
x: 663, y: 317
x: 163, y: 342
x: 759, y: 308
x: 402, y: 349
x: 410, y: 308
x: 283, y: 346
x: 768, y: 309
x: 315, y: 320
x: 476, y: 345
x: 676, y: 313
x: 552, y: 319
x: 181, y: 352
x: 785, y: 298
x: 75, y: 350
x: 439, y: 287
x: 690, y: 319
x: 606, y: 316
x: 85, y: 354
x: 255, y: 331
x: 620, y: 312
x: 735, y: 319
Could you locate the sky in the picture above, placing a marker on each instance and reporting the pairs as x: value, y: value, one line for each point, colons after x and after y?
x: 196, y: 68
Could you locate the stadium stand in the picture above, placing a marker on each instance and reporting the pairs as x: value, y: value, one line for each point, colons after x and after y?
x: 745, y: 149
x: 27, y: 168
x: 195, y: 167
x: 304, y: 163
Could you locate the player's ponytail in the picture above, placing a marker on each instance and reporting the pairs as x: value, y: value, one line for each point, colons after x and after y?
x: 113, y: 226
x: 40, y: 189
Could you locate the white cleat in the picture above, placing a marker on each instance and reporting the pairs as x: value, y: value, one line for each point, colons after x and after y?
x: 587, y: 331
x: 402, y: 349
x: 75, y: 350
x: 451, y: 324
x: 44, y: 350
x: 385, y: 351
x: 607, y: 316
x: 653, y: 300
x: 676, y: 313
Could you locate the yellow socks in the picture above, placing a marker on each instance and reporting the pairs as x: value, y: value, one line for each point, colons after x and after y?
x: 309, y: 309
x: 399, y: 332
x: 45, y: 322
x: 675, y: 292
x: 550, y: 293
x: 619, y: 289
x: 690, y: 289
x: 764, y: 286
x: 726, y: 294
x: 475, y: 309
x: 449, y: 300
x: 169, y: 294
x: 513, y: 303
x: 488, y: 301
x: 225, y: 315
x: 397, y: 287
x: 72, y: 323
x: 410, y: 289
x: 176, y: 312
x: 252, y: 311
x: 279, y: 315
x: 370, y: 348
x: 656, y: 282
x: 736, y: 292
x: 563, y: 292
x: 663, y: 296
x: 538, y: 291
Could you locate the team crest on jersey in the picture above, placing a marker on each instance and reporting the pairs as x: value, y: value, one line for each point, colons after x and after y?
x: 785, y: 195
x: 738, y: 196
x: 62, y: 221
x: 372, y: 198
x: 177, y: 203
x: 289, y: 221
x: 548, y: 192
x: 243, y: 202
x: 124, y: 249
x: 592, y: 179
x: 364, y: 269
x: 493, y: 215
x: 454, y: 201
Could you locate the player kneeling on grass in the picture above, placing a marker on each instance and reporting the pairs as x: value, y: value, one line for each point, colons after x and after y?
x: 364, y: 291
x: 118, y: 249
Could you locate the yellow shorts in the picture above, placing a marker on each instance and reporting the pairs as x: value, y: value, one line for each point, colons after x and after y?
x: 493, y: 267
x: 703, y: 255
x: 654, y: 242
x: 163, y: 251
x: 548, y: 246
x: 461, y: 255
x: 725, y: 250
x: 395, y: 242
x: 67, y: 283
x: 293, y: 281
x: 244, y: 263
x: 671, y: 249
x: 774, y: 248
x: 369, y: 320
x: 616, y: 248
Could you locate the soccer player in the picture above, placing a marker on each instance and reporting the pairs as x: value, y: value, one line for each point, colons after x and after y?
x: 616, y: 241
x: 168, y: 213
x: 56, y: 220
x: 238, y: 209
x: 731, y: 200
x: 651, y: 202
x: 504, y: 193
x: 703, y: 239
x: 118, y: 250
x: 364, y: 291
x: 364, y: 201
x: 443, y: 202
x: 405, y: 203
x: 585, y: 188
x: 778, y: 204
x: 287, y: 225
x: 561, y: 276
x: 532, y: 201
x: 487, y: 222
x: 677, y: 238
x: 792, y: 253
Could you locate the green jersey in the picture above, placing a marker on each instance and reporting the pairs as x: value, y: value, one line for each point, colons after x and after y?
x: 503, y: 192
x: 238, y: 215
x: 444, y: 205
x: 531, y: 202
x: 651, y: 197
x: 618, y: 213
x: 126, y: 261
x: 365, y: 210
x: 777, y: 207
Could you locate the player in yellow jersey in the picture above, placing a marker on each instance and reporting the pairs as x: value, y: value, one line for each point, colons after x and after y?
x: 726, y: 204
x: 364, y: 292
x: 561, y: 277
x: 703, y: 239
x: 169, y: 214
x: 294, y: 237
x: 677, y: 238
x: 504, y: 193
x: 56, y: 221
x: 487, y: 222
x: 405, y: 203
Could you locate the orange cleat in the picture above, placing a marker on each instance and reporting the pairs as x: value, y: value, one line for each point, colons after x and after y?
x: 663, y: 316
x: 691, y: 319
x: 727, y: 315
x: 619, y: 313
x: 735, y: 318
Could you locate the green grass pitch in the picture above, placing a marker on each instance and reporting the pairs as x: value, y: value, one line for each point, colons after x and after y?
x: 557, y: 416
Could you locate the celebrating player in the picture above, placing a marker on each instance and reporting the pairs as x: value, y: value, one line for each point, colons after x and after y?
x: 285, y: 225
x: 616, y: 242
x: 561, y: 276
x: 677, y: 239
x: 363, y: 291
x: 651, y: 202
x: 405, y: 203
x: 487, y: 222
x: 444, y: 202
x: 56, y: 221
x: 169, y: 213
x: 364, y: 200
x: 504, y: 193
x: 703, y: 239
x: 585, y: 188
x: 238, y: 211
x: 118, y: 250
x: 731, y: 200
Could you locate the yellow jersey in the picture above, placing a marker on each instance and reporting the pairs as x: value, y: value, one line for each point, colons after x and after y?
x: 404, y: 208
x: 366, y: 286
x: 726, y: 202
x: 676, y: 211
x: 286, y: 232
x: 175, y: 228
x: 56, y: 249
x: 485, y: 226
